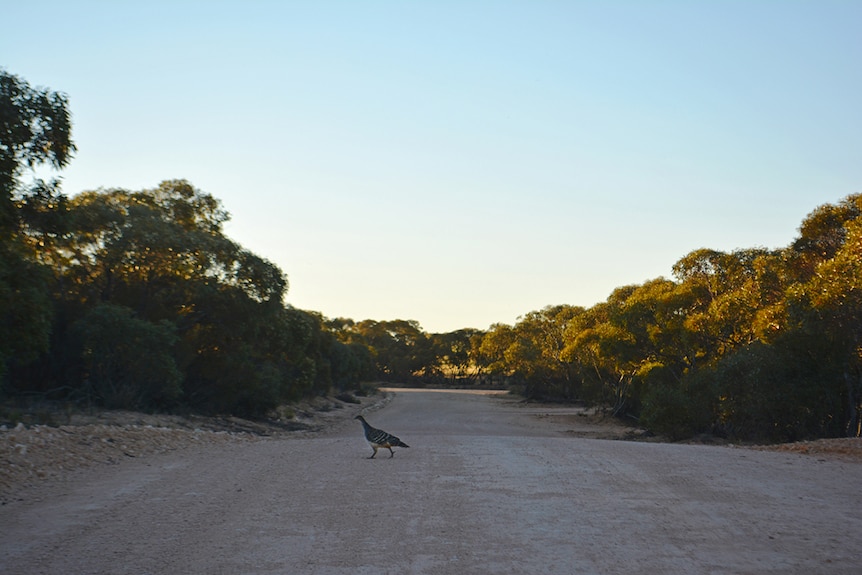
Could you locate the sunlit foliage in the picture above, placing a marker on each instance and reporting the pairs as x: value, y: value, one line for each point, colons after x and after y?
x: 138, y: 299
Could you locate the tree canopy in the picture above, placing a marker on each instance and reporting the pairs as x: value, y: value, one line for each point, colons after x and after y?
x: 754, y: 343
x: 35, y: 129
x: 138, y: 299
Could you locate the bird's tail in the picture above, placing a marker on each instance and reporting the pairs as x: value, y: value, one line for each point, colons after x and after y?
x: 400, y: 443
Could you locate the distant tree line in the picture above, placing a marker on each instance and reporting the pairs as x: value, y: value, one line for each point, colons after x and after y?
x: 137, y: 299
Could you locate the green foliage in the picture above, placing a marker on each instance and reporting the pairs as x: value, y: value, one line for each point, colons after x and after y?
x: 668, y: 410
x: 161, y: 256
x: 401, y: 351
x: 151, y: 305
x: 679, y: 409
x: 756, y: 344
x: 787, y: 391
x: 455, y: 355
x: 137, y: 299
x: 127, y: 362
x: 25, y: 308
x: 35, y: 129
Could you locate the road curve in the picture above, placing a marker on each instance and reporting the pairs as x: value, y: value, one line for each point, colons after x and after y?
x: 484, y: 488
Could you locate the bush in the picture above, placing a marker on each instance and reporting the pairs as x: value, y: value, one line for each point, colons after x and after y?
x: 786, y: 391
x: 128, y: 362
x: 668, y: 411
x: 678, y: 409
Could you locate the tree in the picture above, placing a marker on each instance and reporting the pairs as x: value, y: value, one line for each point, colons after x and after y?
x: 492, y: 351
x: 150, y: 249
x: 35, y: 129
x: 544, y: 336
x: 161, y: 254
x: 400, y: 348
x: 154, y: 301
x: 534, y: 352
x: 607, y: 352
x: 783, y: 391
x: 25, y: 309
x: 454, y: 353
x: 822, y: 234
x: 829, y: 305
x: 727, y: 292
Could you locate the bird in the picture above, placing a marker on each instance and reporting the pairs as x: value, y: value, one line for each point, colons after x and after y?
x: 379, y: 438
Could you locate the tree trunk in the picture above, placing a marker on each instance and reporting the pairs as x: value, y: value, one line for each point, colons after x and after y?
x: 854, y: 404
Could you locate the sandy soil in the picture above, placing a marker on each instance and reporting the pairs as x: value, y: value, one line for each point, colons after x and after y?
x: 33, y: 455
x: 488, y: 486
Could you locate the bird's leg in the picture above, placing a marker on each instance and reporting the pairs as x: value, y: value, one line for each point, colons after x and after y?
x: 373, y: 454
x: 391, y: 453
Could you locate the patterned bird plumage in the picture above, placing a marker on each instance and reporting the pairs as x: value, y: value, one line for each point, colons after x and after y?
x: 379, y: 438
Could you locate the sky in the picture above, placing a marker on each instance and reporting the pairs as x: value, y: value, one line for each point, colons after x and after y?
x: 463, y: 163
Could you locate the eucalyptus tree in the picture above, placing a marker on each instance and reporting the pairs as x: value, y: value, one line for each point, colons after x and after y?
x: 401, y: 350
x: 492, y: 353
x: 162, y: 254
x: 35, y: 129
x: 636, y: 343
x: 781, y: 331
x: 607, y: 355
x: 822, y: 234
x: 554, y: 374
x: 451, y: 352
x: 730, y: 294
x: 149, y: 249
x: 829, y: 304
x: 532, y: 353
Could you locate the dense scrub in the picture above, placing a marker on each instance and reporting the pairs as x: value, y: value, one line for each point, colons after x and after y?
x: 755, y: 344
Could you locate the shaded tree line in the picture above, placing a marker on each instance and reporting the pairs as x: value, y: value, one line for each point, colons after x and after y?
x: 148, y: 305
x: 137, y: 299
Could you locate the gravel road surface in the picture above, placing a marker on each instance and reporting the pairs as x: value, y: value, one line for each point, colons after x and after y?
x: 486, y: 487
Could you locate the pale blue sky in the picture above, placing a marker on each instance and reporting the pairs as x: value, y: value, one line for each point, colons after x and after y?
x: 463, y: 163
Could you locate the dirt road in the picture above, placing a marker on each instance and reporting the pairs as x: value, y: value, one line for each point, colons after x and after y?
x: 486, y: 487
